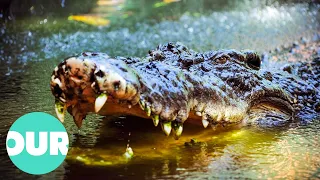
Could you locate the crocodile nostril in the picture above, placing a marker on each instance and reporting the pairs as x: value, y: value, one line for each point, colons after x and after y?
x: 116, y: 85
x: 99, y: 73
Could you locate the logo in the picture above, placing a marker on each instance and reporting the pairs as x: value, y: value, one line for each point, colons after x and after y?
x: 37, y: 143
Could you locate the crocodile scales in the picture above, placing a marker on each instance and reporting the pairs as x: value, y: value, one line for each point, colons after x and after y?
x: 174, y: 84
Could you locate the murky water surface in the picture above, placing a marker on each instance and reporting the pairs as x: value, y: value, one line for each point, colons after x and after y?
x: 32, y: 45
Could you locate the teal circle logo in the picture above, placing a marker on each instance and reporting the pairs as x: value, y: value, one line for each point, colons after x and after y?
x: 37, y: 143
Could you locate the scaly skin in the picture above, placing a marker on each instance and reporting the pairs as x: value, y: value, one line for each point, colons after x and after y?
x: 173, y: 84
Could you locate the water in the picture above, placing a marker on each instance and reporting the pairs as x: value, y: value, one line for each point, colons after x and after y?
x: 32, y: 45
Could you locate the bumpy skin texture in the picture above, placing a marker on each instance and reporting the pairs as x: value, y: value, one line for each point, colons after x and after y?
x: 174, y: 83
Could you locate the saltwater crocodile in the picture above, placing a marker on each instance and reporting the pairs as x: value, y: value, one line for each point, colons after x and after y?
x: 173, y: 84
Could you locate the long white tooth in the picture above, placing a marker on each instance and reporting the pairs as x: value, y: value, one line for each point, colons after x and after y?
x: 148, y: 110
x: 100, y: 101
x: 205, y: 123
x: 93, y: 84
x: 155, y: 120
x: 142, y: 104
x: 198, y: 113
x: 166, y: 127
x: 178, y: 131
x: 60, y: 109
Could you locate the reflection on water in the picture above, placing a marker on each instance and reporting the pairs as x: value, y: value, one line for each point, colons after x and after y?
x: 229, y: 153
x: 32, y: 46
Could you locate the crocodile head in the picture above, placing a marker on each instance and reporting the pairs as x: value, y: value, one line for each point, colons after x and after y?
x: 171, y: 86
x: 86, y: 83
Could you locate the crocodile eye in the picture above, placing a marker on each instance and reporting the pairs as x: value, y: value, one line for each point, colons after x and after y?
x: 221, y: 60
x: 253, y: 60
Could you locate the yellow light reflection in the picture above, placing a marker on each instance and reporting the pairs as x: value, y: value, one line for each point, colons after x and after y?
x: 91, y: 20
x: 109, y: 2
x: 164, y: 2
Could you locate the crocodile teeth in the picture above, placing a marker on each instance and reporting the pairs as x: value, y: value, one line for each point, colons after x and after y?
x: 166, y: 127
x: 205, y: 123
x: 148, y: 110
x: 155, y: 120
x: 93, y: 84
x: 178, y: 128
x: 142, y: 105
x: 60, y: 108
x: 198, y: 113
x: 100, y: 101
